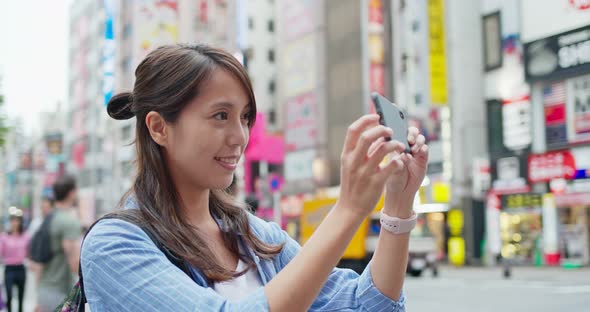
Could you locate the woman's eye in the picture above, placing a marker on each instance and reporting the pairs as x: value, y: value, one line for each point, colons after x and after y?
x: 221, y: 116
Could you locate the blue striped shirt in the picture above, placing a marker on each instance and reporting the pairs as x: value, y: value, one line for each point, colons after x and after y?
x: 124, y: 271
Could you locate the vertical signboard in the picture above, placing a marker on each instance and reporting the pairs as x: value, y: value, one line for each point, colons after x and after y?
x: 108, y: 56
x: 438, y: 67
x: 376, y: 48
x: 516, y: 123
x: 578, y: 109
x: 156, y: 25
x: 555, y: 115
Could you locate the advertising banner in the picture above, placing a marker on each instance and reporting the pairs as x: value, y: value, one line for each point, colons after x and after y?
x: 555, y: 115
x: 578, y: 109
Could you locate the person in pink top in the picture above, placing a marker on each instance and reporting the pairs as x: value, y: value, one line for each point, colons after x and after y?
x: 13, y: 251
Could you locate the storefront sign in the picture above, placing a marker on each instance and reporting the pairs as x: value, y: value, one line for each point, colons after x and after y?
x: 580, y: 4
x: 516, y: 201
x: 516, y: 123
x: 302, y: 130
x: 579, y: 108
x: 561, y: 55
x: 555, y: 115
x: 543, y: 18
x: 300, y: 63
x: 582, y: 174
x: 482, y: 178
x: 572, y: 199
x: 299, y: 165
x: 556, y: 165
x: 509, y: 175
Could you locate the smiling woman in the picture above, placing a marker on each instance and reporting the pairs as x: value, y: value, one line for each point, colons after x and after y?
x: 183, y: 244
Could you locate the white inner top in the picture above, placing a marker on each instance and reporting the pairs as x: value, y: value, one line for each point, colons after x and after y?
x: 241, y: 286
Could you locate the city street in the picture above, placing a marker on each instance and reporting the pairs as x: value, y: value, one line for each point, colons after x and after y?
x: 484, y: 289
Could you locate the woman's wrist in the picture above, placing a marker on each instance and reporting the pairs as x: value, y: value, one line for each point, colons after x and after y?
x: 399, y: 205
x: 348, y: 215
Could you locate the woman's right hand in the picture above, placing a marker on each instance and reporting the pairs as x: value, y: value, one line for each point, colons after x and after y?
x: 362, y: 178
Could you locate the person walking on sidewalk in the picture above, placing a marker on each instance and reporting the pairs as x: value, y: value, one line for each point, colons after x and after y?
x: 186, y: 245
x: 57, y: 275
x: 13, y: 250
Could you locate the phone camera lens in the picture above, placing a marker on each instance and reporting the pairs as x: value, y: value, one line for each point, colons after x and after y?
x: 401, y: 115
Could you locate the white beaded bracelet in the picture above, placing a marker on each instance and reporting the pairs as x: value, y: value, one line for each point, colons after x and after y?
x: 396, y: 225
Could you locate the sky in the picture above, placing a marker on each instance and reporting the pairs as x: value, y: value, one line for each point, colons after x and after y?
x: 33, y: 57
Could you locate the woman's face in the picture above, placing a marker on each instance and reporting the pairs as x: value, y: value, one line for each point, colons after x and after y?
x: 205, y: 143
x: 15, y: 224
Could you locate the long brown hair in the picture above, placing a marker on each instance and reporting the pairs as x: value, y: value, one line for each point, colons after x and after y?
x: 166, y: 81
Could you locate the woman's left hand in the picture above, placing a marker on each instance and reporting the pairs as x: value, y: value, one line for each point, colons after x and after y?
x: 411, y: 168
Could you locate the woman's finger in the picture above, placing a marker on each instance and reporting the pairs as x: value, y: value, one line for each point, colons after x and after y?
x: 385, y: 149
x: 375, y: 146
x: 357, y: 128
x: 394, y: 166
x: 423, y: 152
x: 419, y: 143
x: 366, y: 139
x: 413, y: 132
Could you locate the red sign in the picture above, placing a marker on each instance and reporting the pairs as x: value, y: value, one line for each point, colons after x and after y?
x: 549, y: 166
x: 555, y: 114
x: 493, y: 201
x: 580, y: 4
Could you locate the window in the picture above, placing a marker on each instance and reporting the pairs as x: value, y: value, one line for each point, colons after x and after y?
x: 250, y: 23
x: 271, y: 55
x: 271, y: 86
x: 271, y: 26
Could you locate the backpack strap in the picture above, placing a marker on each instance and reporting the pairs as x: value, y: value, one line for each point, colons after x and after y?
x: 177, y: 261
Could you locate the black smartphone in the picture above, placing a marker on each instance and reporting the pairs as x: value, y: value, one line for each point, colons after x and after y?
x: 390, y: 115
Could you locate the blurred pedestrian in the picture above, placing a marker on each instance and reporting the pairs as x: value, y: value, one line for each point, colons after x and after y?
x: 57, y: 274
x: 47, y: 207
x: 183, y: 244
x: 13, y: 250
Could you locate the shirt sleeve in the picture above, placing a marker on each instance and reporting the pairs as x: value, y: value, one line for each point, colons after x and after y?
x: 124, y: 271
x: 71, y: 229
x: 344, y: 289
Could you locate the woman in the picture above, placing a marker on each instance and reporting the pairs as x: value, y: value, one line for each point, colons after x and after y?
x: 195, y: 107
x: 13, y: 250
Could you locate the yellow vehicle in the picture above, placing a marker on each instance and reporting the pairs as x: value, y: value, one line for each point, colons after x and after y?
x: 423, y: 244
x: 362, y: 245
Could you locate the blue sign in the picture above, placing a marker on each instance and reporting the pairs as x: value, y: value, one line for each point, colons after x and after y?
x: 108, y: 56
x: 275, y: 183
x: 582, y: 174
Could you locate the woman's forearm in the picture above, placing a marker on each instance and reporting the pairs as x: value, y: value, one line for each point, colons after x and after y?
x: 388, y: 267
x: 298, y: 284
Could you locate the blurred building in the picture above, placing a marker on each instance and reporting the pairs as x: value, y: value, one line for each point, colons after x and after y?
x: 48, y: 155
x: 138, y: 27
x: 17, y: 169
x: 87, y: 120
x: 537, y: 93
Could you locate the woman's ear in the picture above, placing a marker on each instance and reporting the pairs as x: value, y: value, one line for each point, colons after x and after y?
x: 157, y: 127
